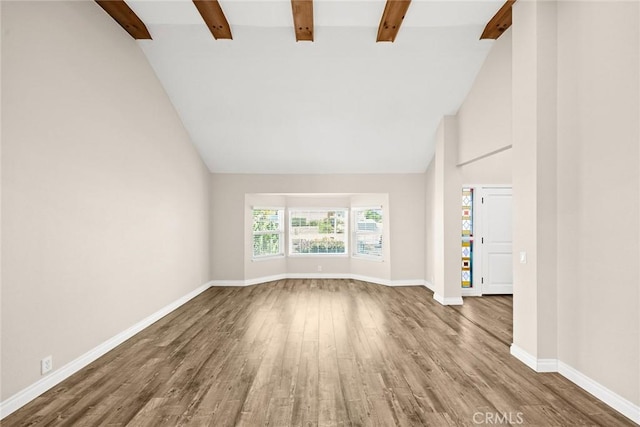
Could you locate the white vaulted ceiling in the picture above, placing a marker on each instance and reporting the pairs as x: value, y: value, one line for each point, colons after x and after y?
x: 264, y: 103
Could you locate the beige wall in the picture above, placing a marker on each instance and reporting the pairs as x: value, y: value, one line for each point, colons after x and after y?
x: 572, y: 97
x: 430, y: 223
x: 525, y: 334
x: 1, y: 352
x: 484, y: 118
x: 491, y: 170
x: 480, y: 144
x: 229, y: 213
x: 447, y: 189
x: 576, y: 187
x: 599, y: 193
x: 104, y: 200
x: 534, y: 178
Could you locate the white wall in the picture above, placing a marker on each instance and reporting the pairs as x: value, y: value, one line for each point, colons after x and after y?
x: 104, y: 200
x: 599, y: 193
x: 229, y: 254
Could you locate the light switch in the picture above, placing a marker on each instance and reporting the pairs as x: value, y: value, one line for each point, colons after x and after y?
x: 523, y: 257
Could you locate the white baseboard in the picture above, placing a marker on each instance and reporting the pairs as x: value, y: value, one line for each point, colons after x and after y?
x: 538, y: 365
x: 266, y: 279
x: 318, y: 276
x: 617, y: 402
x: 26, y: 395
x: 429, y: 285
x: 547, y: 365
x: 614, y: 400
x: 223, y: 283
x: 471, y: 292
x: 448, y: 300
x: 416, y: 282
x: 524, y: 357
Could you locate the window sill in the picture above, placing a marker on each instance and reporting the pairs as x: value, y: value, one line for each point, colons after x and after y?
x: 368, y: 258
x: 319, y: 255
x: 267, y: 258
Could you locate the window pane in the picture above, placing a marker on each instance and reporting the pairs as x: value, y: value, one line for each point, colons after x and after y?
x: 467, y: 211
x: 267, y: 232
x: 369, y: 220
x: 318, y: 232
x: 467, y: 249
x: 368, y: 232
x: 266, y: 244
x: 467, y: 238
x: 266, y: 220
x: 369, y: 244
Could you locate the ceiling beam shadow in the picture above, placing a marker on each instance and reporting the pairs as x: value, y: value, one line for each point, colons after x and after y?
x: 500, y: 22
x: 213, y: 16
x: 394, y: 11
x: 123, y: 15
x: 303, y: 19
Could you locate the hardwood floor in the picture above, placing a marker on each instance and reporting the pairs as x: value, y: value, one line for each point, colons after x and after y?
x: 318, y: 352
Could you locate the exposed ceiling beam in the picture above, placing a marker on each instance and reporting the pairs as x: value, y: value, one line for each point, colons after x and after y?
x: 303, y: 19
x: 500, y: 22
x: 126, y: 17
x: 214, y: 18
x: 391, y: 20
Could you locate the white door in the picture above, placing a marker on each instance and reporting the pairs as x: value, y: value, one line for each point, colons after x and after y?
x: 496, y: 241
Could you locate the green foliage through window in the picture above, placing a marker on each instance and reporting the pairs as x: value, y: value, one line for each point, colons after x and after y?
x: 321, y: 231
x: 268, y: 232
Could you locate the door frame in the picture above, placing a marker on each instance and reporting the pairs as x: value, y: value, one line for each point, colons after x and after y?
x: 479, y: 191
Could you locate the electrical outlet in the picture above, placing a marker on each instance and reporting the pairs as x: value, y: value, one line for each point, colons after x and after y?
x: 46, y: 365
x: 319, y: 268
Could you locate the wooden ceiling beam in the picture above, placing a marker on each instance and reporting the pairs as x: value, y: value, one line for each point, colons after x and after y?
x: 394, y: 11
x: 213, y: 16
x: 123, y: 15
x: 500, y: 22
x: 303, y: 19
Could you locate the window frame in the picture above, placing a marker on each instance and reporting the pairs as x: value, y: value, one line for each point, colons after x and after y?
x: 355, y: 233
x: 290, y: 235
x: 279, y: 231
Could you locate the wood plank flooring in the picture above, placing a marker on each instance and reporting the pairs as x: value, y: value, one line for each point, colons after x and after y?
x: 318, y: 353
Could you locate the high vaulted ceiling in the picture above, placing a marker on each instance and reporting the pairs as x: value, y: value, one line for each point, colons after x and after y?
x: 342, y: 103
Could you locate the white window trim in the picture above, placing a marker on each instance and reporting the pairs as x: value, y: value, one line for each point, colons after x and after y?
x: 321, y: 255
x: 267, y: 257
x: 355, y: 233
x: 280, y: 231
